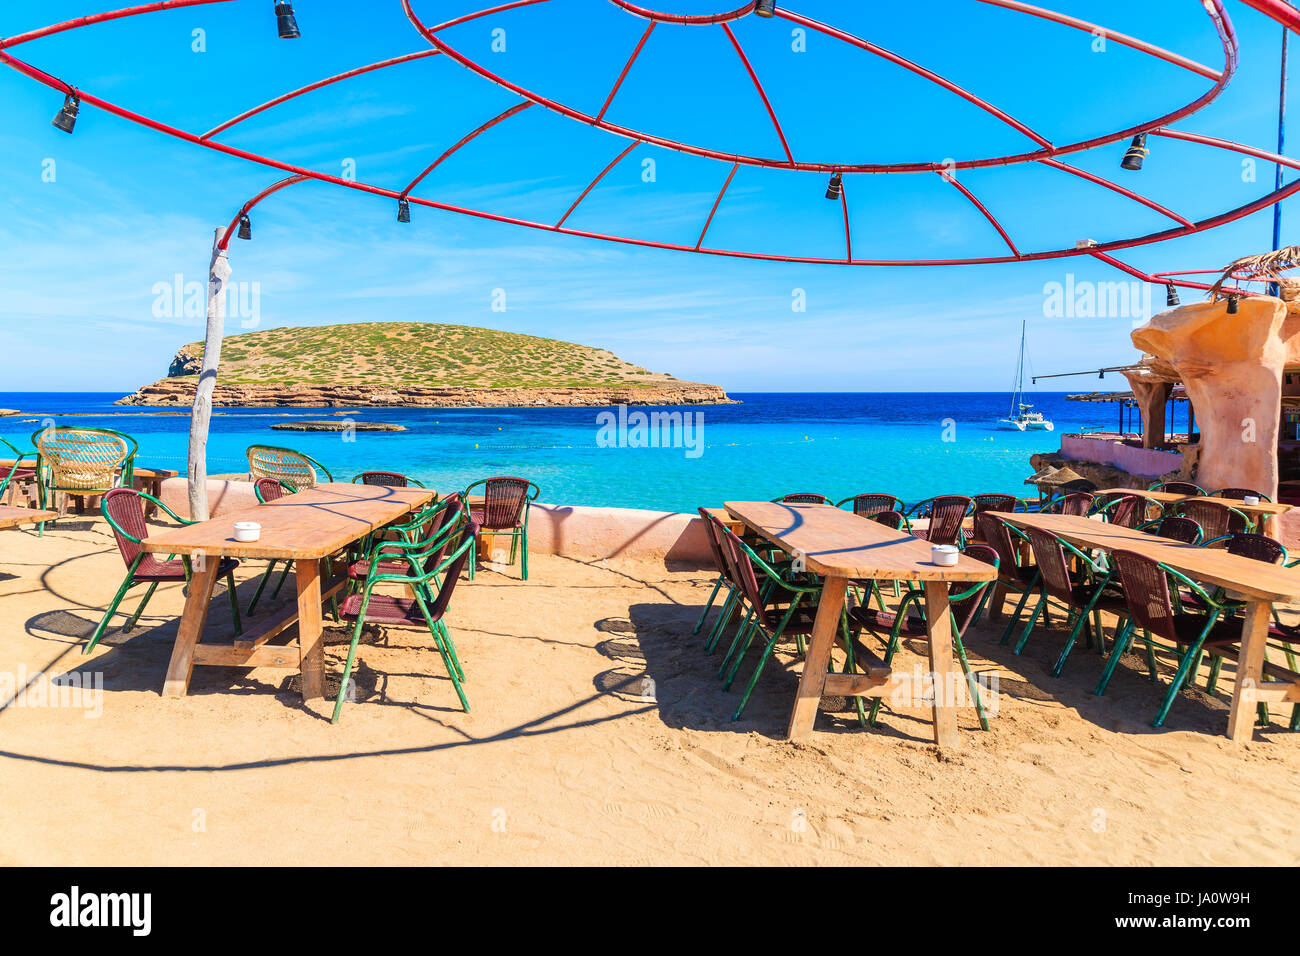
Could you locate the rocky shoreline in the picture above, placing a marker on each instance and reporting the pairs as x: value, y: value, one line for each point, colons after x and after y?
x: 178, y: 391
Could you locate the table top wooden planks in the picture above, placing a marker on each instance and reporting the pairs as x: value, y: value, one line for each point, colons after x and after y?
x: 838, y: 543
x: 1267, y: 582
x: 310, y: 524
x: 11, y: 517
x: 1264, y: 509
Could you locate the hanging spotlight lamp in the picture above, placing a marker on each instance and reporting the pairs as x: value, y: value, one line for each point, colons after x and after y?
x: 403, y: 211
x: 1171, y: 297
x: 765, y: 8
x: 286, y: 21
x: 245, y: 227
x: 1234, y: 303
x: 1137, y: 153
x: 836, y: 186
x: 66, y: 118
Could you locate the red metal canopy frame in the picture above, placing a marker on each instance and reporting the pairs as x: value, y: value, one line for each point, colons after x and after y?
x: 1281, y: 12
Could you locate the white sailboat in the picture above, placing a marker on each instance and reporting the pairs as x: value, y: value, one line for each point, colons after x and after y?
x: 1022, y: 416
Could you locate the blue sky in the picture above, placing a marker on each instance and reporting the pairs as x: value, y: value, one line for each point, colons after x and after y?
x: 129, y: 208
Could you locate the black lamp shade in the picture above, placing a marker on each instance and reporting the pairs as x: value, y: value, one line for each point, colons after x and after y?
x: 66, y: 118
x: 1137, y: 153
x: 765, y: 8
x: 836, y: 186
x: 1234, y: 303
x: 1171, y: 298
x: 245, y: 228
x: 403, y: 211
x: 286, y: 21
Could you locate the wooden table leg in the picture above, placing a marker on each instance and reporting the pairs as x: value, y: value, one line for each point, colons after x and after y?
x: 311, y: 648
x: 1250, y: 670
x: 193, y: 619
x: 939, y: 638
x: 817, y: 660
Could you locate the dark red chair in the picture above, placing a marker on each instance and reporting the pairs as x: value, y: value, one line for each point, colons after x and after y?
x: 870, y: 505
x: 503, y: 510
x: 1216, y: 520
x: 124, y: 510
x: 387, y: 479
x: 946, y: 514
x: 421, y: 611
x: 909, y: 619
x: 1077, y: 504
x: 1177, y: 488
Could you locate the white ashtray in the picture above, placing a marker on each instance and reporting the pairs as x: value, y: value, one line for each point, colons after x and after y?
x: 944, y: 555
x: 1250, y: 500
x: 247, y: 530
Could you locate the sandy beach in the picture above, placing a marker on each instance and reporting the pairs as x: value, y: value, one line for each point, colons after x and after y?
x: 565, y: 758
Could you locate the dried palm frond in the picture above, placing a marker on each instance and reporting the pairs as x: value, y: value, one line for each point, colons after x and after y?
x: 1266, y: 267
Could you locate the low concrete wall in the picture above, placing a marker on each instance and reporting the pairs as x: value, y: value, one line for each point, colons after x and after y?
x: 1143, y: 462
x: 582, y: 533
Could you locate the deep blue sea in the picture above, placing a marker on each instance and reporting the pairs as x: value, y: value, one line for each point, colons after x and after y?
x: 913, y: 445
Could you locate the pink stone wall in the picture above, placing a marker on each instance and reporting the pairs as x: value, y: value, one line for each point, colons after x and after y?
x: 585, y: 534
x: 1143, y: 462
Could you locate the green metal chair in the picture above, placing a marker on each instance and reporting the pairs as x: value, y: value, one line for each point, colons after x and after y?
x: 124, y: 510
x: 269, y: 489
x: 503, y: 511
x: 964, y: 607
x: 86, y: 462
x: 293, y: 468
x: 425, y: 561
x: 767, y: 619
x: 1151, y: 608
x: 1082, y: 595
x: 387, y: 479
x: 1177, y: 488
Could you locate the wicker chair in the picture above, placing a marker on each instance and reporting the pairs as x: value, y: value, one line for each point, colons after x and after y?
x: 1013, y: 574
x: 124, y: 509
x: 872, y: 504
x: 1126, y: 511
x: 83, y: 462
x: 421, y: 565
x: 1083, y: 594
x: 1216, y: 520
x: 890, y: 626
x: 1077, y: 504
x: 946, y: 514
x: 1175, y: 528
x: 387, y: 479
x: 1151, y: 608
x: 999, y: 503
x: 270, y: 489
x: 1178, y: 488
x: 1239, y: 494
x: 503, y: 510
x: 715, y: 550
x: 300, y: 472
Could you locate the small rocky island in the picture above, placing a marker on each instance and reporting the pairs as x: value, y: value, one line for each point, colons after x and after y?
x: 416, y: 364
x: 339, y: 425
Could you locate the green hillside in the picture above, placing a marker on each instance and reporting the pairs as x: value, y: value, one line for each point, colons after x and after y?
x: 412, y: 353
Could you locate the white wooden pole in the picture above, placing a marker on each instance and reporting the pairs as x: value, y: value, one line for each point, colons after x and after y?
x: 218, y: 273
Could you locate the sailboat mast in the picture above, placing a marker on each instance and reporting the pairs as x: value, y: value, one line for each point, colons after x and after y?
x: 1017, y: 395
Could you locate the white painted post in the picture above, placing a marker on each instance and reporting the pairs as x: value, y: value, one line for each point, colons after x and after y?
x: 218, y: 273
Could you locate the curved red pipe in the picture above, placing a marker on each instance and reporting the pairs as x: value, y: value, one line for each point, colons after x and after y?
x: 1283, y: 13
x: 1213, y: 8
x: 500, y: 117
x: 687, y: 19
x: 224, y: 243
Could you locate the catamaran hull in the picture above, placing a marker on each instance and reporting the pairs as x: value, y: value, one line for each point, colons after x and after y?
x: 1007, y: 424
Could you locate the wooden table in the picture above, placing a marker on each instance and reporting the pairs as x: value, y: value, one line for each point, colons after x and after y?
x: 1255, y: 582
x: 843, y: 547
x: 1265, y: 512
x: 11, y: 517
x: 304, y: 528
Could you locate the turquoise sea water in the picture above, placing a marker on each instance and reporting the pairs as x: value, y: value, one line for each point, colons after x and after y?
x: 910, y: 444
